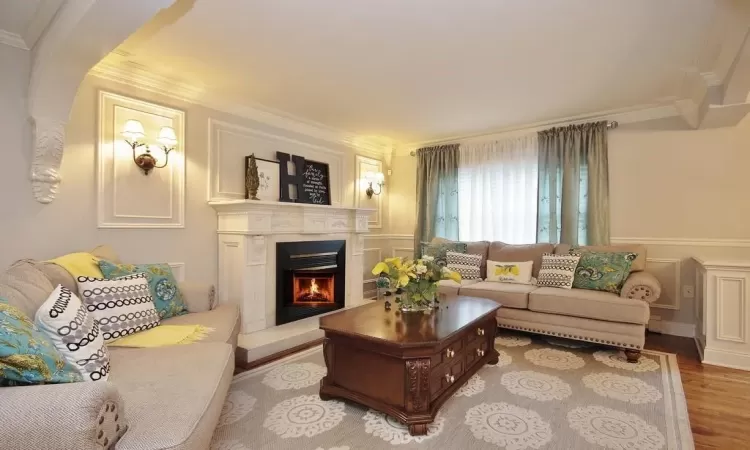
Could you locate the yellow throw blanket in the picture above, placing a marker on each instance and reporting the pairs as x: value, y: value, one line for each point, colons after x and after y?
x: 79, y: 264
x: 163, y: 335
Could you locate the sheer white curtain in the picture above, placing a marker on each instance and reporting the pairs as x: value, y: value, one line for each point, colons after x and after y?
x: 497, y: 190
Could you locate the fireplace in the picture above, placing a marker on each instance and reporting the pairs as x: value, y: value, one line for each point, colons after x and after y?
x: 310, y: 279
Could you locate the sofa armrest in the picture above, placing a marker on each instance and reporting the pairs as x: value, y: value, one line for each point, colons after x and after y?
x: 641, y: 286
x: 198, y: 297
x: 84, y: 415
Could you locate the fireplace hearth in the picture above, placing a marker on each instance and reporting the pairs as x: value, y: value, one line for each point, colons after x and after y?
x: 310, y: 279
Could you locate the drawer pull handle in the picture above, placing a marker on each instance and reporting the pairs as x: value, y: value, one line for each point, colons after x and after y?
x: 450, y: 353
x: 450, y: 378
x: 480, y: 352
x: 480, y: 331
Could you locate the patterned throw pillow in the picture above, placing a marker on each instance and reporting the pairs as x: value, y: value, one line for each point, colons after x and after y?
x: 439, y: 251
x: 603, y: 271
x: 166, y: 296
x: 74, y: 332
x: 121, y: 306
x: 27, y: 356
x: 467, y: 265
x: 558, y: 271
x: 510, y: 272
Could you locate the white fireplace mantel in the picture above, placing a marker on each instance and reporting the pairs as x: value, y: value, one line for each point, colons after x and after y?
x: 262, y: 217
x: 248, y: 232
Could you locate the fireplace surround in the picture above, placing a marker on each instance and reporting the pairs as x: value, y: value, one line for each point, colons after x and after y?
x: 310, y: 278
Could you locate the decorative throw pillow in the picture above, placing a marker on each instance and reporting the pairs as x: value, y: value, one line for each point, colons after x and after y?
x: 161, y: 282
x: 439, y: 251
x: 74, y: 332
x: 467, y: 265
x: 558, y: 271
x: 510, y: 272
x: 603, y: 271
x: 121, y: 306
x: 27, y: 356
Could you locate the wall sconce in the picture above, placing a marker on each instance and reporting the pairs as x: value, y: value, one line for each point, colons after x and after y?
x: 133, y: 132
x: 376, y: 178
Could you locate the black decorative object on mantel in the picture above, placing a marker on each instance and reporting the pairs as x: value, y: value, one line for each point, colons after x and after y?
x: 290, y: 178
x: 304, y: 181
x: 316, y: 183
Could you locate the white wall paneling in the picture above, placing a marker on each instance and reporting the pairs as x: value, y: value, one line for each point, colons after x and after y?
x: 126, y: 197
x: 178, y: 270
x: 667, y: 271
x: 229, y: 144
x: 724, y: 302
x: 362, y: 166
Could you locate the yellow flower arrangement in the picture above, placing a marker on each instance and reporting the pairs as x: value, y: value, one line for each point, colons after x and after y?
x: 418, y: 277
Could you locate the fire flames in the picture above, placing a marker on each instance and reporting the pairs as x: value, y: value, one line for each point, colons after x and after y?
x: 313, y: 290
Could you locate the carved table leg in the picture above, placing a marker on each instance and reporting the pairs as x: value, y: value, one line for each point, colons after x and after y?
x: 325, y: 397
x: 632, y: 355
x: 494, y: 360
x: 418, y: 429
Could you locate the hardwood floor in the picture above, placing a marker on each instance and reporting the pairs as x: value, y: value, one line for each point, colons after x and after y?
x: 718, y: 398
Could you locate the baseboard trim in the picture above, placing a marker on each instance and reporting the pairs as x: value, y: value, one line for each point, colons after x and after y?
x: 672, y: 328
x: 698, y: 346
x: 726, y: 358
x: 276, y: 356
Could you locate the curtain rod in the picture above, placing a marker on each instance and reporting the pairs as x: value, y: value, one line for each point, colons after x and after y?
x: 610, y: 125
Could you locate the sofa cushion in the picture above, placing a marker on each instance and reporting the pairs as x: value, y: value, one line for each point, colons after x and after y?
x: 450, y: 287
x: 225, y: 321
x: 473, y: 248
x: 502, y: 252
x: 172, y: 395
x: 24, y: 286
x: 439, y: 250
x: 510, y: 295
x: 589, y: 304
x: 638, y: 264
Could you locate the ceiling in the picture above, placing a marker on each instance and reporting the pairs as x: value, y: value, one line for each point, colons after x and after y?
x: 22, y: 22
x: 417, y: 70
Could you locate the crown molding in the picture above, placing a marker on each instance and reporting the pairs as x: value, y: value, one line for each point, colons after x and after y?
x: 665, y: 108
x: 13, y: 39
x: 116, y: 69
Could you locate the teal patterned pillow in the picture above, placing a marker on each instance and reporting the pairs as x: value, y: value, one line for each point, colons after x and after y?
x: 440, y: 251
x: 602, y: 271
x: 167, y: 298
x: 27, y: 356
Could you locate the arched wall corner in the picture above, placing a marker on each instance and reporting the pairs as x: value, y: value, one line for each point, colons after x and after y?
x: 81, y: 34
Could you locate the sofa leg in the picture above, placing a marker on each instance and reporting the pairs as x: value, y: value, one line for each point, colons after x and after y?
x: 632, y: 355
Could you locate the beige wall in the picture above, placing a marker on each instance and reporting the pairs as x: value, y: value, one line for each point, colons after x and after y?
x: 681, y: 192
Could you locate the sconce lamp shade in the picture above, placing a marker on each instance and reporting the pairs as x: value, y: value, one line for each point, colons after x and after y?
x: 369, y: 176
x: 167, y: 136
x: 133, y: 130
x: 379, y: 178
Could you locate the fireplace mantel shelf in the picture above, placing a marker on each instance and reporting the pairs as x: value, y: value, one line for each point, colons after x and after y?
x: 244, y: 205
x: 251, y: 217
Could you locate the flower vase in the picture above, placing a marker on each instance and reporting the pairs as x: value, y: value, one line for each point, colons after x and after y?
x: 418, y: 295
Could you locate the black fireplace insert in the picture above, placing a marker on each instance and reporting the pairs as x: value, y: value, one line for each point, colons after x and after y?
x: 310, y: 279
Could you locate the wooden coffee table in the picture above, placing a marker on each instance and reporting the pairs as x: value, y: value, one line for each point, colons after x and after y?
x: 407, y: 365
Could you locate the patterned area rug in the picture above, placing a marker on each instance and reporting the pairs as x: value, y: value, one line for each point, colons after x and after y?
x: 545, y: 393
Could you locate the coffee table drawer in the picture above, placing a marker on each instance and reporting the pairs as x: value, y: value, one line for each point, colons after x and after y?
x: 443, y: 379
x: 475, y: 351
x: 480, y: 331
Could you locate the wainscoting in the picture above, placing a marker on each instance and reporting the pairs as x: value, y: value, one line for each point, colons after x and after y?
x: 380, y: 246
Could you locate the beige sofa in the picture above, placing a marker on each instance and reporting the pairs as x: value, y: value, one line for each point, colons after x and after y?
x: 586, y: 315
x: 159, y: 398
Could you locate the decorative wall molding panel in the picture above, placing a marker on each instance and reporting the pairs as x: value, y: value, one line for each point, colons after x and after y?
x: 178, y: 270
x: 667, y: 271
x: 66, y: 42
x: 126, y: 197
x: 247, y: 234
x: 362, y: 166
x: 228, y: 144
x: 726, y: 313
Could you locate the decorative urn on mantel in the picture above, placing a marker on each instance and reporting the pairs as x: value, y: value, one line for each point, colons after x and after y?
x: 248, y: 234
